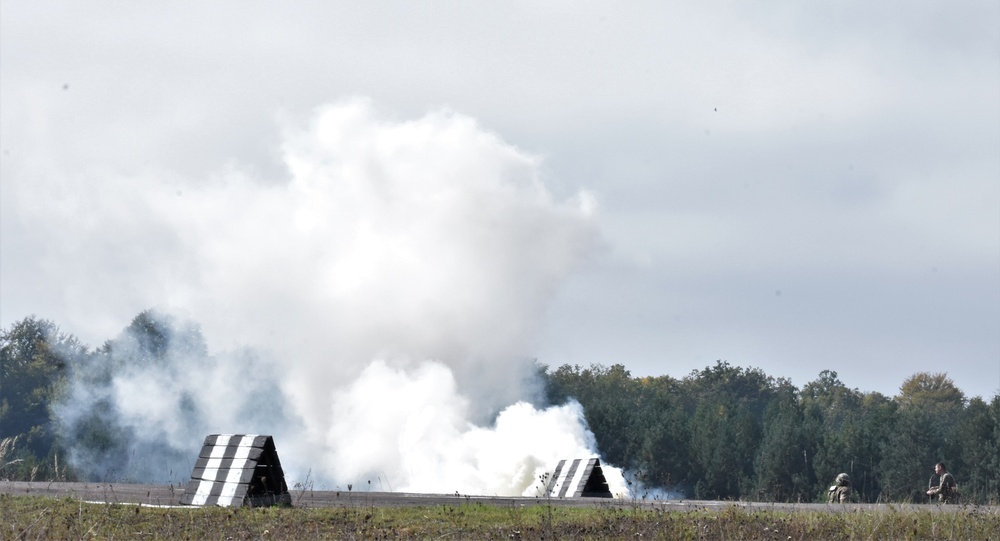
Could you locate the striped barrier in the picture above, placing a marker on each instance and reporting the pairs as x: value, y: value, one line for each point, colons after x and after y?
x: 579, y: 478
x: 234, y: 470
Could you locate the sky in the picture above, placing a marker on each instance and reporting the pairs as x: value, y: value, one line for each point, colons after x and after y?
x: 794, y: 187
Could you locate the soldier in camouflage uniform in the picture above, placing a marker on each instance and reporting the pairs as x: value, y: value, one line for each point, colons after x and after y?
x: 840, y: 492
x: 947, y: 489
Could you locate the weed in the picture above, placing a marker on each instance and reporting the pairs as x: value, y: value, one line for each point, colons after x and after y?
x: 36, y: 517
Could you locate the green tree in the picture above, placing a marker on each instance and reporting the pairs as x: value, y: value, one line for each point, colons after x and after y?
x: 608, y: 396
x: 869, y: 438
x: 782, y: 466
x: 662, y: 426
x: 34, y: 356
x: 749, y: 388
x: 977, y: 453
x: 834, y: 413
x: 931, y: 391
x: 104, y: 442
x: 726, y: 406
x: 993, y: 465
x: 152, y: 337
x: 929, y: 407
x: 913, y: 447
x: 724, y: 439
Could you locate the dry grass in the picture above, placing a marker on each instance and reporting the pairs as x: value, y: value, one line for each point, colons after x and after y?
x: 7, y: 448
x: 33, y: 517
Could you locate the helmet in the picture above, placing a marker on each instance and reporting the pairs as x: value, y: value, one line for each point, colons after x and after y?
x: 843, y: 479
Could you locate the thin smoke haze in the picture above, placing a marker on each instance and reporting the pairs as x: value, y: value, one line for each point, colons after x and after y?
x: 375, y: 310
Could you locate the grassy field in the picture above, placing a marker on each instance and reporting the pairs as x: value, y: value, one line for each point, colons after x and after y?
x: 35, y: 517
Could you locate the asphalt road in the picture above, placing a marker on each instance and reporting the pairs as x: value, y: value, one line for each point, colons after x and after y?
x: 169, y: 495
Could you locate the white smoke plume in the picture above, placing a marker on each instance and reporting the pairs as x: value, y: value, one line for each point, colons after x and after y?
x: 390, y: 287
x: 424, y: 439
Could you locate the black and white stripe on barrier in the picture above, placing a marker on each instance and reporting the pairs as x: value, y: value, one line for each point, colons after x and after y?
x: 224, y: 472
x: 581, y: 477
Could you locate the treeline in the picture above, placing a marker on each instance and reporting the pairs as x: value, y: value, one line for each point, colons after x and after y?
x: 732, y: 433
x: 41, y: 368
x: 34, y: 362
x: 724, y: 432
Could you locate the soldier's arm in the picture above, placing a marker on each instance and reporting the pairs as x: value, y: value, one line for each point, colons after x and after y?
x: 949, y: 482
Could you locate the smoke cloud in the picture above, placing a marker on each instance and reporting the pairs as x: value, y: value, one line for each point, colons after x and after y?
x: 137, y: 408
x: 375, y: 310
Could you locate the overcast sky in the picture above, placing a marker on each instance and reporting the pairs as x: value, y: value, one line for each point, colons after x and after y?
x: 793, y: 186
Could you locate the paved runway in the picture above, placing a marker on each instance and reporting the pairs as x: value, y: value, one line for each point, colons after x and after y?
x: 169, y: 495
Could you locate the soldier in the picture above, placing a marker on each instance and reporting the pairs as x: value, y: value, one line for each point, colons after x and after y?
x: 947, y: 489
x: 840, y: 492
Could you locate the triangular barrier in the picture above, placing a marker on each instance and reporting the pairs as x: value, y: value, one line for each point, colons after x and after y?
x: 234, y: 470
x: 582, y: 477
